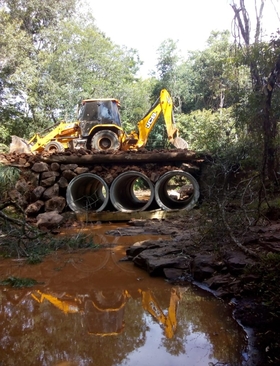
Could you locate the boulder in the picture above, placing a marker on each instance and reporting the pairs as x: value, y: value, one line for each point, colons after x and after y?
x: 173, y: 274
x: 34, y: 208
x: 19, y: 145
x: 62, y: 182
x: 203, y: 266
x: 22, y: 186
x: 40, y: 167
x: 48, y: 181
x: 17, y: 197
x: 55, y: 167
x: 81, y: 170
x: 155, y: 260
x: 140, y: 246
x: 237, y: 261
x: 68, y: 167
x: 51, y: 192
x: 68, y: 174
x: 49, y: 220
x: 49, y: 174
x: 55, y: 204
x: 37, y: 193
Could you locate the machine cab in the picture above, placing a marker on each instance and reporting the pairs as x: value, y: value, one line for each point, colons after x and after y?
x: 98, y: 112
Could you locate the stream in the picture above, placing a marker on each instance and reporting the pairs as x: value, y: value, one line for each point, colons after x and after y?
x: 91, y: 309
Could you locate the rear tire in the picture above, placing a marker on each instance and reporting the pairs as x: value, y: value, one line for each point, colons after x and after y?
x: 53, y: 147
x: 105, y: 140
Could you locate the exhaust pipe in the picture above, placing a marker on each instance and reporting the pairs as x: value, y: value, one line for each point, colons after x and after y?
x: 176, y: 190
x: 132, y: 191
x: 87, y: 192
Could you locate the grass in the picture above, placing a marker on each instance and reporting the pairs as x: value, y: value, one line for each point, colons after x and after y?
x: 8, y: 177
x: 18, y: 282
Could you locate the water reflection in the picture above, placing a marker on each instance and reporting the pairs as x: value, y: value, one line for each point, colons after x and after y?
x: 92, y: 309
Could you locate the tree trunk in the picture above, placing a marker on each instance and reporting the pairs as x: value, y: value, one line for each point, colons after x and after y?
x: 124, y: 157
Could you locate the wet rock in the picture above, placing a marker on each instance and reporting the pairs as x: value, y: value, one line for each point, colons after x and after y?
x: 140, y: 246
x: 237, y: 261
x: 155, y: 260
x: 203, y: 266
x: 173, y: 274
x: 49, y: 220
x: 218, y: 281
x: 55, y: 204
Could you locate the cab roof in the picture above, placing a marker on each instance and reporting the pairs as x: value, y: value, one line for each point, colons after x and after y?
x: 102, y: 100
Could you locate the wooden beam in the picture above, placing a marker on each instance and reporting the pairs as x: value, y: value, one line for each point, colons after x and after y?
x: 122, y: 157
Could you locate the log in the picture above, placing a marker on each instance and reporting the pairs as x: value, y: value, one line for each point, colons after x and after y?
x: 124, y: 157
x: 107, y: 216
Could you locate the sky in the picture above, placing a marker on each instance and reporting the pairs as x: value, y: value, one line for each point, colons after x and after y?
x: 145, y: 24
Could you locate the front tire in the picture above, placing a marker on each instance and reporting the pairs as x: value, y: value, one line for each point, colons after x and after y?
x: 105, y: 140
x: 53, y: 147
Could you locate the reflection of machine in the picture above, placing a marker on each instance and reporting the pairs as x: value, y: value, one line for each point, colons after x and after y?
x: 151, y: 305
x: 65, y: 303
x: 104, y: 312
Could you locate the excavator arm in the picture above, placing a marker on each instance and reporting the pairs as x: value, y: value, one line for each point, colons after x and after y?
x: 163, y: 105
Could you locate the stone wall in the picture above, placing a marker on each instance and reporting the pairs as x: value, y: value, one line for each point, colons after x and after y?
x: 42, y: 186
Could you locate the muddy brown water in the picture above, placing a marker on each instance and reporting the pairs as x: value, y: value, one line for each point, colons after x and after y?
x: 92, y: 309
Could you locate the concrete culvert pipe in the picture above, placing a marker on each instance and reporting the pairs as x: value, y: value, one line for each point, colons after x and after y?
x: 176, y: 190
x: 132, y: 191
x: 87, y: 192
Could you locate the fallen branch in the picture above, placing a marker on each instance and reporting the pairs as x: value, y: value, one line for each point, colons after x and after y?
x: 232, y: 236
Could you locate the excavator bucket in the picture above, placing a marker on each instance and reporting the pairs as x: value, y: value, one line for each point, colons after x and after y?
x: 19, y: 145
x: 180, y: 143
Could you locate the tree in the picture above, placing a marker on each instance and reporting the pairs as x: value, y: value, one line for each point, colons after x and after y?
x: 52, y: 56
x: 262, y: 60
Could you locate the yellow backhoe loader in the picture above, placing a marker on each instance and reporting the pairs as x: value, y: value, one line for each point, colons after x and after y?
x: 99, y: 127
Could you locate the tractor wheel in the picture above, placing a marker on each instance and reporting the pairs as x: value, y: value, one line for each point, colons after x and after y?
x: 105, y: 140
x: 53, y: 147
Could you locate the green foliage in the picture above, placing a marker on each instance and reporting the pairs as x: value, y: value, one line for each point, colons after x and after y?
x: 8, y: 178
x: 269, y: 271
x: 51, y: 58
x: 21, y: 240
x: 158, y: 136
x: 18, y: 282
x: 208, y: 79
x: 207, y: 130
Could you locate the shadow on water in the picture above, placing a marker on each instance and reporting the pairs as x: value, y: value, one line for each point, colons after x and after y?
x: 90, y: 308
